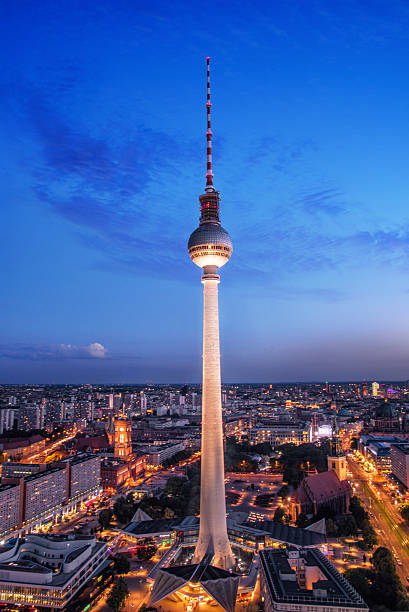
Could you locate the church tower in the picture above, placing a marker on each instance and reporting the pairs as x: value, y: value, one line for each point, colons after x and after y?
x: 336, y: 459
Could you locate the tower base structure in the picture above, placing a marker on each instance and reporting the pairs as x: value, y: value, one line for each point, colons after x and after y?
x: 192, y: 582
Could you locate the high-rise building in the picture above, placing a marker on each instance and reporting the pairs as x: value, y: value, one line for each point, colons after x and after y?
x: 143, y: 403
x: 210, y: 247
x: 375, y: 389
x: 6, y: 419
x: 31, y: 417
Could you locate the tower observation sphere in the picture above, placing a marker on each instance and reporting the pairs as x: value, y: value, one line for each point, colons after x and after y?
x: 210, y: 245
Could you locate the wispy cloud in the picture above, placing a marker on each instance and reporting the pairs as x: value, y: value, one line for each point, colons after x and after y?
x: 35, y: 352
x: 281, y: 155
x: 319, y: 294
x: 328, y: 201
x: 112, y: 189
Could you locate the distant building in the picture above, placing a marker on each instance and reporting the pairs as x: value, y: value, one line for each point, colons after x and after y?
x: 156, y: 455
x: 21, y: 470
x: 278, y: 434
x: 386, y: 418
x: 18, y: 449
x: 143, y: 403
x: 6, y: 419
x: 375, y: 389
x: 304, y: 581
x: 31, y: 417
x: 377, y: 449
x: 47, y: 571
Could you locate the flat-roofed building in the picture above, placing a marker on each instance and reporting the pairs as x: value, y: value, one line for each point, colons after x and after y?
x: 45, y: 493
x: 157, y: 454
x: 400, y: 463
x: 378, y: 450
x: 9, y: 509
x: 303, y: 580
x: 47, y: 571
x: 279, y: 434
x: 84, y: 476
x: 21, y: 470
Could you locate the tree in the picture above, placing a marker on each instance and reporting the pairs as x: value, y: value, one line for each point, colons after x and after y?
x: 382, y: 560
x: 121, y: 564
x: 262, y: 448
x: 118, y: 595
x: 302, y: 520
x: 105, y: 517
x: 357, y: 510
x: 296, y: 461
x: 346, y: 525
x: 380, y: 586
x: 370, y: 539
x: 405, y: 512
x: 331, y: 527
x: 280, y: 516
x: 123, y: 510
x: 146, y: 552
x: 284, y: 492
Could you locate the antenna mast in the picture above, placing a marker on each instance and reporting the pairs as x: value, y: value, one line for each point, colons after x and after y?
x: 209, y: 173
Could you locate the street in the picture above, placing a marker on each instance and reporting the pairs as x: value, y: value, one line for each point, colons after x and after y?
x: 391, y: 530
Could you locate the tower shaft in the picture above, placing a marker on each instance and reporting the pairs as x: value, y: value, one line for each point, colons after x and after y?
x: 213, y: 528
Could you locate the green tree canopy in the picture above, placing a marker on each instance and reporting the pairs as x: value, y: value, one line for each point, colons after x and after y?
x: 118, y: 595
x: 379, y: 586
x: 121, y: 564
x: 105, y: 517
x: 405, y: 512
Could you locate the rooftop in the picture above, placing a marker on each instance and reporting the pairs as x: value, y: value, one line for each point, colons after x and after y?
x: 403, y: 448
x: 328, y: 588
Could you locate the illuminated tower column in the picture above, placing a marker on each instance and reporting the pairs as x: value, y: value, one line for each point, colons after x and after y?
x: 213, y: 528
x: 210, y: 247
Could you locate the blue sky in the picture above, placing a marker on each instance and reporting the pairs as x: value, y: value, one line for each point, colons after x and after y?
x: 102, y: 162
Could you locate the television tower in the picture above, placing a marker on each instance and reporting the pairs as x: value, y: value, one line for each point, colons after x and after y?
x: 210, y: 247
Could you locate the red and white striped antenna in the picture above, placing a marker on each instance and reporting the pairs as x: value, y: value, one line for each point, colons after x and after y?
x: 209, y: 173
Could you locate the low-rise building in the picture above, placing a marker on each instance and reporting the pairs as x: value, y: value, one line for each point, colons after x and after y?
x: 19, y: 449
x: 47, y: 571
x: 304, y: 580
x: 157, y: 454
x: 279, y: 434
x: 20, y: 470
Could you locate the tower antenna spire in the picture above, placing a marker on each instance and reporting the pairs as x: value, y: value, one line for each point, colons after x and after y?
x: 209, y: 172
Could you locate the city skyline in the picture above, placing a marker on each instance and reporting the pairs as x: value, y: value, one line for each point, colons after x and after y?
x: 102, y: 158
